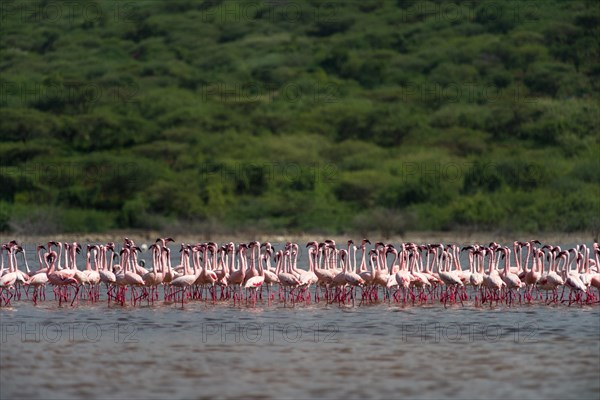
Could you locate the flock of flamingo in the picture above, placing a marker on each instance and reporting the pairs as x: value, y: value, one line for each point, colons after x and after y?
x: 417, y: 274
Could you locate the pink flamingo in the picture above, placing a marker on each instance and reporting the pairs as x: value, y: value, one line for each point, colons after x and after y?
x: 270, y: 276
x: 366, y: 275
x: 129, y: 277
x: 252, y: 271
x: 207, y: 276
x: 38, y: 281
x: 42, y: 269
x: 595, y: 280
x: 185, y: 281
x: 22, y: 277
x: 286, y: 278
x: 533, y: 275
x: 306, y: 278
x: 573, y: 281
x: 60, y: 279
x: 369, y: 276
x: 447, y: 276
x: 223, y: 271
x: 347, y: 277
x: 71, y: 251
x: 403, y: 276
x: 236, y: 277
x: 517, y: 247
x: 107, y: 276
x: 256, y: 281
x: 7, y: 281
x: 492, y: 280
x: 382, y: 274
x: 552, y: 280
x: 476, y: 277
x: 584, y: 273
x: 510, y: 279
x: 529, y: 246
x: 155, y: 277
x: 324, y: 275
x: 91, y: 277
x: 419, y: 279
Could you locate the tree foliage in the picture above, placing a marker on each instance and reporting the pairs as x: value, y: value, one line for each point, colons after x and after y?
x: 305, y: 115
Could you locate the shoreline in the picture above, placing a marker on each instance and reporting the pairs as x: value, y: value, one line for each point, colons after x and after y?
x: 149, y: 237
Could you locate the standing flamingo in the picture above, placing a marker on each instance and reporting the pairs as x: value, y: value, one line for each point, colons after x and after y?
x: 256, y: 281
x: 510, y: 279
x: 185, y: 281
x: 60, y: 279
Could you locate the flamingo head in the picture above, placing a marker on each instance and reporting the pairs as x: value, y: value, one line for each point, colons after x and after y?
x: 71, y: 281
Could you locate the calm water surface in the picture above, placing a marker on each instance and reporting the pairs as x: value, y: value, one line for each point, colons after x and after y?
x: 316, y: 350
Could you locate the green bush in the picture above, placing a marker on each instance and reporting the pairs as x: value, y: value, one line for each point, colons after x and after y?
x: 314, y: 116
x: 5, y: 211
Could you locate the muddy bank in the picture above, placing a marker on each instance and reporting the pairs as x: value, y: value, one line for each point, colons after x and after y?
x: 418, y: 237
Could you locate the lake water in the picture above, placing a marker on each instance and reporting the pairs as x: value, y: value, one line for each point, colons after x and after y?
x: 305, y: 351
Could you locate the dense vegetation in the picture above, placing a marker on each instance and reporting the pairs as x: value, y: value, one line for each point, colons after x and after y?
x: 300, y: 115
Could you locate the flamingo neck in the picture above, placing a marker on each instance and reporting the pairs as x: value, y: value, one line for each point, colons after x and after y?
x: 278, y: 264
x: 88, y: 262
x: 517, y: 255
x: 40, y: 259
x: 527, y: 259
x: 491, y: 262
x: 363, y: 262
x: 60, y: 250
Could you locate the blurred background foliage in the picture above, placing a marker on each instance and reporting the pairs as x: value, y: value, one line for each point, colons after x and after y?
x: 332, y: 117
